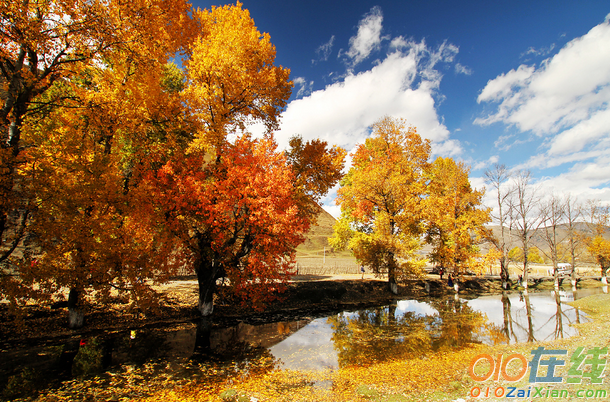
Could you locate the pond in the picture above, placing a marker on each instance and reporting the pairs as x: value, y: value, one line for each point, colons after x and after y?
x: 405, y: 329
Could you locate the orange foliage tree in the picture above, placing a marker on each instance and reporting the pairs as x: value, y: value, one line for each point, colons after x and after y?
x: 237, y: 217
x: 455, y: 217
x: 238, y: 207
x: 43, y: 42
x: 82, y: 90
x: 381, y: 200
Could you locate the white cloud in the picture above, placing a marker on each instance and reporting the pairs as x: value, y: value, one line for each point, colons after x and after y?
x: 583, y: 180
x: 324, y: 50
x: 461, y: 69
x: 587, y: 131
x: 565, y: 100
x: 486, y: 163
x: 305, y: 87
x: 502, y: 87
x: 544, y: 51
x: 563, y: 91
x: 447, y: 148
x: 402, y: 85
x: 368, y: 37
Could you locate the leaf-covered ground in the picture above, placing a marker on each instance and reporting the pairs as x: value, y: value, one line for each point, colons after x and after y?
x: 438, y: 376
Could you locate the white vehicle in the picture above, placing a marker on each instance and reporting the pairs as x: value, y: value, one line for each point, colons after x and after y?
x: 563, y: 268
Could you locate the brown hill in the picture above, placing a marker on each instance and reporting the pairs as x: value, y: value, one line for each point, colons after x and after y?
x: 317, y: 237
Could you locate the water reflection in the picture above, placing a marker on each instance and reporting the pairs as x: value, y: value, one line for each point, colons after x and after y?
x: 390, y: 332
x: 406, y: 329
x: 530, y: 317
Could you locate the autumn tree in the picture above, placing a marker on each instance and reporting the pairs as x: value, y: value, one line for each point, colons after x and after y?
x: 236, y: 217
x: 524, y: 216
x: 231, y: 78
x: 381, y: 201
x: 123, y: 133
x: 86, y: 96
x: 573, y: 212
x: 455, y: 217
x: 553, y: 212
x: 598, y: 245
x: 498, y: 178
x: 44, y: 42
x: 237, y: 205
x: 83, y: 168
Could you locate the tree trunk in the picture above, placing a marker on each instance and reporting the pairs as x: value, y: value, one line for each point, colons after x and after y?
x: 207, y: 287
x: 393, y: 286
x: 525, y: 272
x: 208, y: 270
x: 573, y: 277
x: 76, y: 316
x: 504, y: 275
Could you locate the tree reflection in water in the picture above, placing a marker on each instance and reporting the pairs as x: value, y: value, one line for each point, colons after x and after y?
x: 379, y: 334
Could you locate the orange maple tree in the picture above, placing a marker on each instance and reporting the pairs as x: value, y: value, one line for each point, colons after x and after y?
x: 236, y: 217
x: 238, y: 206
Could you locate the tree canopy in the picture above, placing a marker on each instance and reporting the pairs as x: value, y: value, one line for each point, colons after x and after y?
x: 393, y: 200
x: 381, y: 200
x: 455, y: 217
x: 118, y: 167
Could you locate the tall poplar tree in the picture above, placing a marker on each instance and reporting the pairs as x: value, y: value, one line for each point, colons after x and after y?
x: 381, y: 201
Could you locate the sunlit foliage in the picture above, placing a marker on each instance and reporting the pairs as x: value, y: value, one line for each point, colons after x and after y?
x: 455, y: 217
x: 381, y: 201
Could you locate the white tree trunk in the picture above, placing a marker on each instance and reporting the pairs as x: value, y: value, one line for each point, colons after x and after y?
x: 394, y: 288
x: 206, y: 308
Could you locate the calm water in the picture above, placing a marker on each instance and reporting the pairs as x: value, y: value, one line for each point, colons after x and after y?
x: 406, y: 329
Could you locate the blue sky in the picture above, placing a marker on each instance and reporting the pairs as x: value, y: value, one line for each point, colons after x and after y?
x: 522, y: 83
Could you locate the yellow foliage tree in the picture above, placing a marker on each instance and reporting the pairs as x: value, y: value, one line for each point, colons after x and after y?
x: 231, y: 77
x: 84, y: 93
x: 381, y: 201
x: 455, y: 217
x: 598, y: 245
x: 44, y: 42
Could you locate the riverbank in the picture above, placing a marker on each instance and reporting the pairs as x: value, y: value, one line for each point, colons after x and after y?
x: 437, y: 376
x: 306, y: 296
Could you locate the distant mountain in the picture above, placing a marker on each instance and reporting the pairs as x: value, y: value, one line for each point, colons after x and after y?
x: 538, y: 240
x: 317, y: 237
